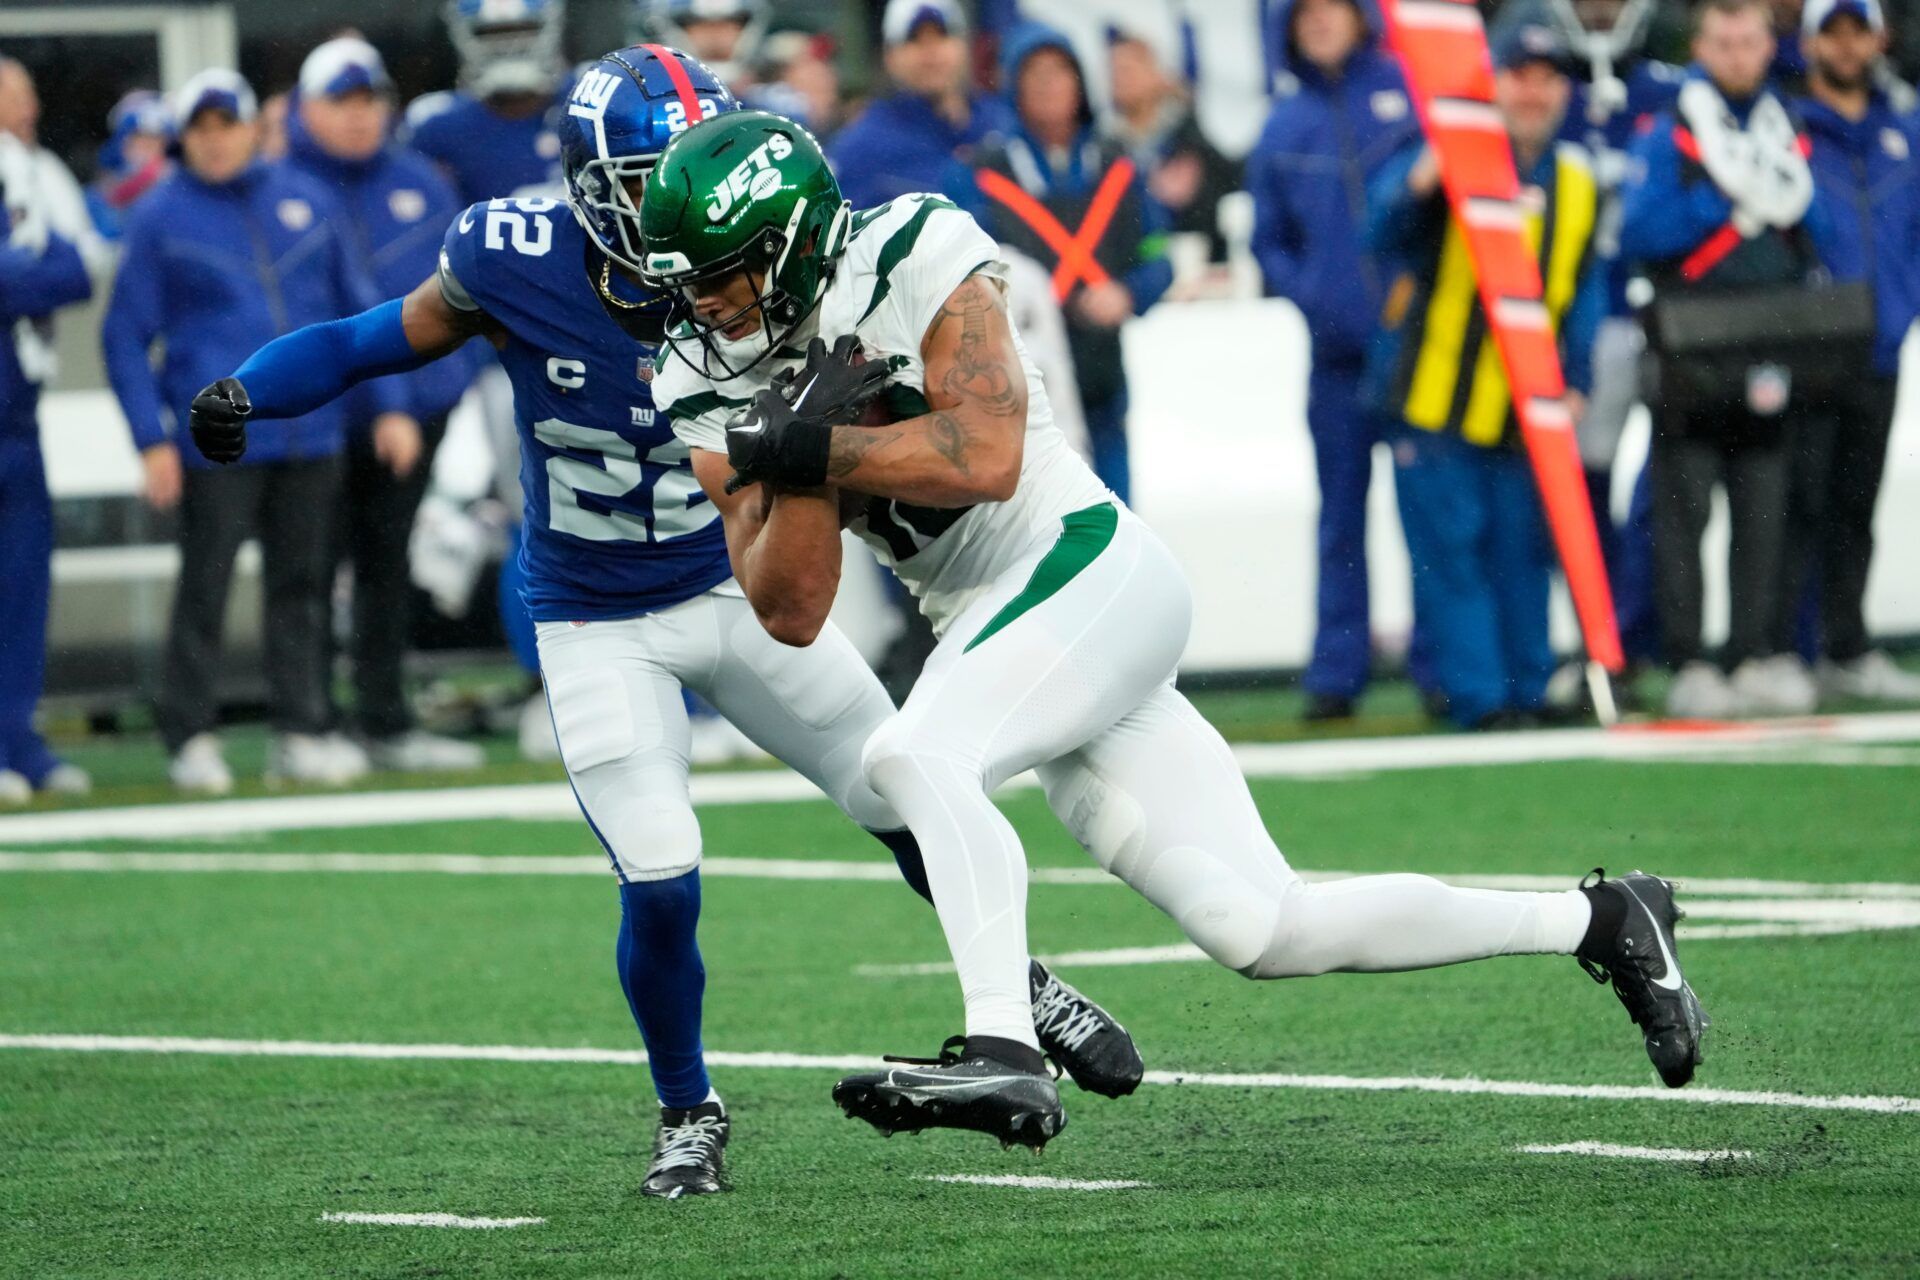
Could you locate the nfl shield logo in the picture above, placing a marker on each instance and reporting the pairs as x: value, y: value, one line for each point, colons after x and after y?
x: 643, y: 369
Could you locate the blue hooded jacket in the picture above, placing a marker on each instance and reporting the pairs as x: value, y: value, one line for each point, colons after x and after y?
x: 31, y: 285
x: 1309, y: 173
x: 1865, y: 180
x: 395, y: 209
x: 901, y: 144
x: 218, y: 270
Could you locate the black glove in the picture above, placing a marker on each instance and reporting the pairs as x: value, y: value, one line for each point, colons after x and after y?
x: 830, y: 386
x: 218, y: 421
x: 771, y: 442
x: 785, y: 436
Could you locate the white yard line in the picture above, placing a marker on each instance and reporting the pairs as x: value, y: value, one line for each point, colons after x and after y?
x: 1678, y: 1155
x: 1319, y: 759
x: 1878, y: 1104
x: 1035, y: 1183
x: 468, y: 864
x: 430, y: 1220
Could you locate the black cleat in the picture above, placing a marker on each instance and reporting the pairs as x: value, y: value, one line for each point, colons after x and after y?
x: 963, y: 1088
x: 1093, y: 1049
x: 686, y: 1152
x: 1641, y: 959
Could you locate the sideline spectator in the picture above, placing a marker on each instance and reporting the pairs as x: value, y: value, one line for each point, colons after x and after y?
x: 1154, y: 117
x: 1476, y: 532
x: 910, y: 139
x: 394, y: 209
x: 724, y: 34
x: 40, y: 272
x: 1341, y: 112
x: 1865, y: 177
x: 795, y: 76
x: 223, y: 254
x: 1054, y: 181
x: 1719, y: 204
x: 491, y: 134
x: 56, y: 196
x: 133, y: 159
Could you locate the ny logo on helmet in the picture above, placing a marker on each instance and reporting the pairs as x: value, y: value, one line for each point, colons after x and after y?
x: 754, y: 178
x: 592, y: 94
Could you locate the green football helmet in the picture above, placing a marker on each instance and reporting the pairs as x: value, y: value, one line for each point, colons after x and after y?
x: 744, y: 191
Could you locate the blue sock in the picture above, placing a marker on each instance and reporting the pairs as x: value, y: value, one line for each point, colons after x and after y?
x: 906, y: 852
x: 661, y: 973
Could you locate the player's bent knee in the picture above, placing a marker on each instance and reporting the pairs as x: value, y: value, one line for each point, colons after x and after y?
x: 900, y: 741
x: 1295, y: 948
x: 650, y: 837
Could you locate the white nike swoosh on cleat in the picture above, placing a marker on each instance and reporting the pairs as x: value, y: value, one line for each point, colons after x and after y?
x: 1672, y: 980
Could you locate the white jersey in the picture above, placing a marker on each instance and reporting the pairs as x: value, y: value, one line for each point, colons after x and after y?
x: 902, y: 263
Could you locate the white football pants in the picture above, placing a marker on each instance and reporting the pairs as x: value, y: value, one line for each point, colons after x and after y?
x: 1066, y: 666
x: 614, y: 688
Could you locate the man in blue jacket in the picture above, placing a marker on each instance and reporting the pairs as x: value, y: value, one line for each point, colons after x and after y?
x: 910, y: 139
x: 394, y: 208
x: 223, y: 255
x: 40, y: 272
x: 1340, y: 111
x: 1865, y: 179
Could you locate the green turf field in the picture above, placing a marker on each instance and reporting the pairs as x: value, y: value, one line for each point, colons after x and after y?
x: 140, y: 1163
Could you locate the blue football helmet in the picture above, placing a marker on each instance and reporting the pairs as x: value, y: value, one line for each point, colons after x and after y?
x: 507, y: 46
x: 624, y: 110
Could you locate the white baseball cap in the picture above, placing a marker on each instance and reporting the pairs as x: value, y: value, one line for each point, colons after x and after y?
x: 1816, y: 14
x: 216, y: 88
x: 342, y: 66
x: 903, y: 16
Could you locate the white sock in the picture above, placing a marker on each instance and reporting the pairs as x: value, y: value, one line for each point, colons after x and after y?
x: 978, y: 874
x: 1373, y: 924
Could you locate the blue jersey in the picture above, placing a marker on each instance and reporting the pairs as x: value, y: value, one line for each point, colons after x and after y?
x: 616, y: 524
x: 485, y: 153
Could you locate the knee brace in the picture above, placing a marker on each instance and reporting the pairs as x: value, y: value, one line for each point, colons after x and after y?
x: 648, y: 837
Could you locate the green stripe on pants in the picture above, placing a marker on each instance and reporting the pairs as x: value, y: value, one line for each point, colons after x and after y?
x: 1084, y: 535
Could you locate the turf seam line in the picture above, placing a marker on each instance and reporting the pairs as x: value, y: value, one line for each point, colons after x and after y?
x: 1882, y: 1104
x: 1615, y: 1151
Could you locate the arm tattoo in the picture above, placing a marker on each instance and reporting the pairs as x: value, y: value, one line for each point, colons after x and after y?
x: 949, y: 439
x: 979, y: 374
x: 850, y: 446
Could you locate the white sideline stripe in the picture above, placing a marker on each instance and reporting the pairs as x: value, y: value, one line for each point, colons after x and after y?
x: 466, y: 864
x: 554, y: 801
x: 1186, y: 952
x: 1880, y: 1104
x: 88, y: 860
x: 1675, y: 1154
x: 430, y: 1220
x: 1035, y: 1182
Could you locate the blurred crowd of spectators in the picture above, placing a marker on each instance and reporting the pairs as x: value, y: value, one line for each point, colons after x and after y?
x: 1690, y: 220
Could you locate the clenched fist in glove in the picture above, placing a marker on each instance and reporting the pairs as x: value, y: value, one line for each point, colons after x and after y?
x: 785, y: 435
x: 218, y: 420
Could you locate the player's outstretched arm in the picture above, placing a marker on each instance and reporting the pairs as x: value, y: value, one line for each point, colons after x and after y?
x: 785, y: 548
x: 968, y: 449
x: 300, y: 371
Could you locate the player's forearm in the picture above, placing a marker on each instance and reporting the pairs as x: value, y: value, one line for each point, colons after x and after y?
x: 302, y: 370
x: 791, y: 568
x: 947, y: 458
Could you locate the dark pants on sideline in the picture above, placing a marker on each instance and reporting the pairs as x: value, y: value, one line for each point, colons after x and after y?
x: 26, y: 561
x: 1107, y: 438
x: 1344, y: 433
x: 376, y: 523
x: 1482, y: 571
x: 289, y: 506
x: 1748, y: 456
x: 1838, y: 456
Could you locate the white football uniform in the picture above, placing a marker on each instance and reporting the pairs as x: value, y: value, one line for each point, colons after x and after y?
x: 1062, y: 618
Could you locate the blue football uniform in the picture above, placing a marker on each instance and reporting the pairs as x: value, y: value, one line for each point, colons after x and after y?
x: 616, y: 525
x: 486, y: 154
